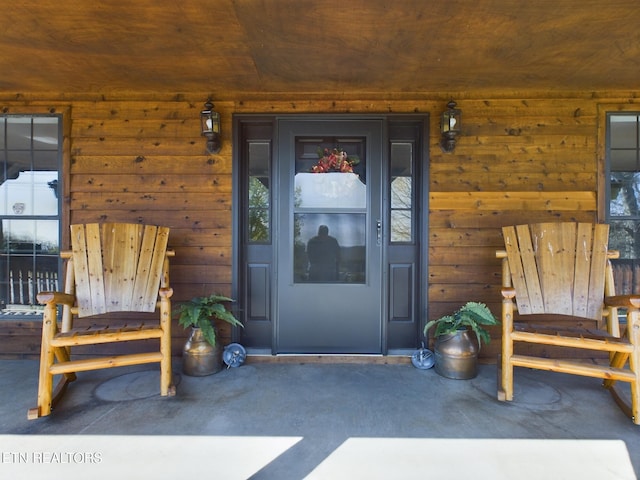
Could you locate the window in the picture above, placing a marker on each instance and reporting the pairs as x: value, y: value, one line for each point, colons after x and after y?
x: 402, y: 178
x: 259, y: 201
x: 30, y: 160
x: 623, y: 197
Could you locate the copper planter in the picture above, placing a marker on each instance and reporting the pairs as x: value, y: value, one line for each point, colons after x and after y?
x: 457, y: 355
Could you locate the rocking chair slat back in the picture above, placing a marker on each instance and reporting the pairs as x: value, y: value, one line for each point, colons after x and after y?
x: 558, y: 268
x: 117, y: 267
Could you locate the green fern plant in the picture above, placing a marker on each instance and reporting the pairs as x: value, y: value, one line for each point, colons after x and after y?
x: 201, y: 312
x: 472, y: 315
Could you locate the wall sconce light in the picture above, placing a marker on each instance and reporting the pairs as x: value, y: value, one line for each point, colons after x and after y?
x: 450, y: 127
x: 210, y: 123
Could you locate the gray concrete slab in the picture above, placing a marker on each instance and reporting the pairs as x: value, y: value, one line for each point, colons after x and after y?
x: 325, y: 404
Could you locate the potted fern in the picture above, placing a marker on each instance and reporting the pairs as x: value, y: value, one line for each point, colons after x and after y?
x: 459, y: 337
x: 201, y: 354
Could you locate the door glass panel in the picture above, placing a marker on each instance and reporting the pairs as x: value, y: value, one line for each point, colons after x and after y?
x: 329, y: 247
x: 330, y: 211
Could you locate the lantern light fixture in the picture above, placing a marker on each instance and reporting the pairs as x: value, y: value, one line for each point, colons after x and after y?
x: 210, y: 124
x: 450, y: 127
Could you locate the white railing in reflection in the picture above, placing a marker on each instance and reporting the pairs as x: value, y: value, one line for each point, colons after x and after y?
x: 24, y: 285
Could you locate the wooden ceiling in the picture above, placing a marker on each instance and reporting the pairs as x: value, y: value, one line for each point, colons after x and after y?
x: 347, y: 47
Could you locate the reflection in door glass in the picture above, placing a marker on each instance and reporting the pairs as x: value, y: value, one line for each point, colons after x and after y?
x: 259, y: 196
x: 401, y: 217
x: 329, y: 247
x: 330, y: 190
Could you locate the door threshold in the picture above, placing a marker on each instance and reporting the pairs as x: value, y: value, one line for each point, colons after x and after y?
x: 328, y: 358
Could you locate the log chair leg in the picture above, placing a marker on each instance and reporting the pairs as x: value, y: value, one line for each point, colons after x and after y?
x: 633, y: 326
x: 618, y: 360
x: 166, y: 376
x: 45, y: 379
x: 505, y: 390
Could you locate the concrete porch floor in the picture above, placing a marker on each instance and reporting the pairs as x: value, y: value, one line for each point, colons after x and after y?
x: 323, y: 405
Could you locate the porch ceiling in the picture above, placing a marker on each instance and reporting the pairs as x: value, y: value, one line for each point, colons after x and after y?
x: 233, y: 47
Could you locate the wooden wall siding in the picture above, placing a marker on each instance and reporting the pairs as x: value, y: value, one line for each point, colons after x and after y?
x: 518, y: 160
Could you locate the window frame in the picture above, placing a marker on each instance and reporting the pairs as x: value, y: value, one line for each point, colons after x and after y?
x: 63, y: 164
x: 624, y: 281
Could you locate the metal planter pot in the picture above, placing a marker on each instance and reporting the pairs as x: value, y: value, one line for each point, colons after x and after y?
x: 199, y: 358
x: 456, y: 355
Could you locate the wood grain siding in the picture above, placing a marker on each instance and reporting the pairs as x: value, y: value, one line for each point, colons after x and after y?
x: 141, y: 159
x: 516, y: 161
x: 146, y: 162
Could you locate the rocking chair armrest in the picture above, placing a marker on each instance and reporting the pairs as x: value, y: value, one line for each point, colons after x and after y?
x: 622, y: 301
x: 56, y: 298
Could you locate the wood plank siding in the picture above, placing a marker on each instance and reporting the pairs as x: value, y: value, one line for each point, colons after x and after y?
x: 142, y: 159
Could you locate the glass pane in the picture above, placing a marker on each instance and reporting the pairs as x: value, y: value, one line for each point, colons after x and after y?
x: 329, y: 190
x: 401, y: 192
x: 623, y: 160
x: 45, y: 133
x: 258, y: 211
x: 329, y: 247
x: 401, y: 217
x: 259, y: 194
x: 45, y: 160
x: 401, y: 159
x: 401, y: 226
x: 28, y: 263
x: 623, y: 131
x: 625, y: 194
x: 19, y: 133
x: 32, y: 193
x: 624, y: 236
x: 259, y: 159
x: 21, y: 236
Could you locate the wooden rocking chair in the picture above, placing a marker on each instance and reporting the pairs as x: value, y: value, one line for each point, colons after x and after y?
x: 563, y: 271
x: 112, y: 268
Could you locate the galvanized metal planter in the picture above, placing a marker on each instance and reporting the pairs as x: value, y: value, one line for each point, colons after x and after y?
x: 199, y: 358
x: 457, y: 355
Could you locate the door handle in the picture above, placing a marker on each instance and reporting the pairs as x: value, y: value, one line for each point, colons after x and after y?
x: 379, y: 232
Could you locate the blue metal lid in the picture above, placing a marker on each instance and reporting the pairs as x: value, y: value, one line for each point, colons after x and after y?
x: 423, y: 359
x: 234, y: 355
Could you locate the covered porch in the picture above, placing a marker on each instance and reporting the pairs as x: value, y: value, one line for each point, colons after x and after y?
x: 343, y: 420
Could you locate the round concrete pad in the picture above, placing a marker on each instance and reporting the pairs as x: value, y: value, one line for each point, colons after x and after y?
x: 130, y: 386
x: 527, y: 388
